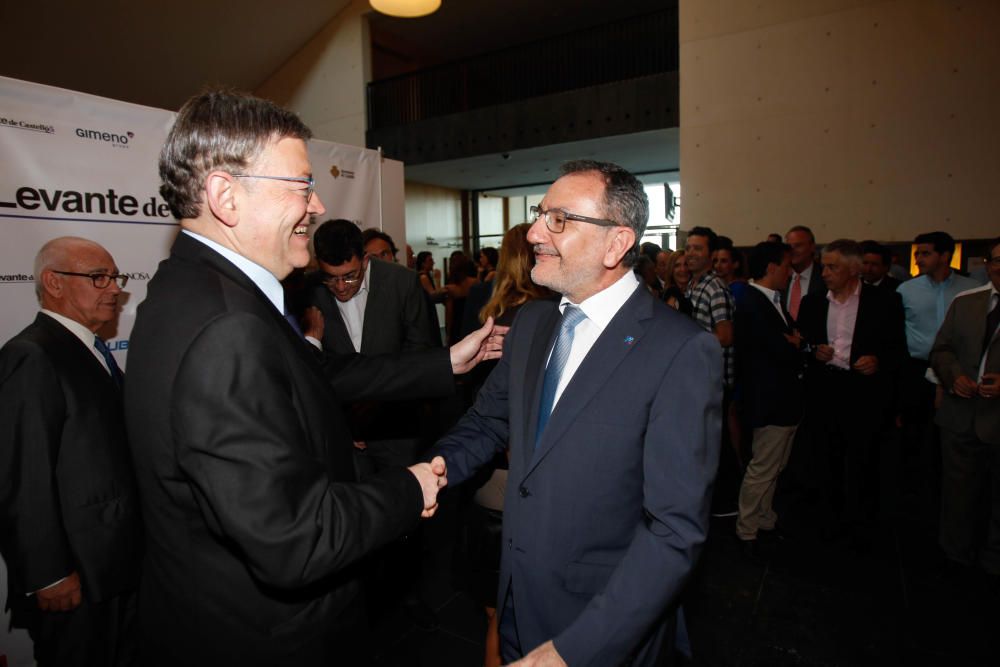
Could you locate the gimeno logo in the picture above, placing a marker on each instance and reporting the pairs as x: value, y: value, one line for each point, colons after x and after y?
x: 113, y: 138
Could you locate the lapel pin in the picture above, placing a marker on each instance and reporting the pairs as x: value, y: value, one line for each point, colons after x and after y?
x: 629, y: 340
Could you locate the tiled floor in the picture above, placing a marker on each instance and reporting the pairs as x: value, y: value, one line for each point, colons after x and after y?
x: 811, y: 603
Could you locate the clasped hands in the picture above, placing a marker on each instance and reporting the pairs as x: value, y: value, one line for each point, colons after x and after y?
x: 987, y: 387
x: 866, y: 365
x: 432, y: 477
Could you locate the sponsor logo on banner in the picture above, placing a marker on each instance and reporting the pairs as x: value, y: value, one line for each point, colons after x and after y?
x: 21, y: 124
x: 108, y: 202
x: 117, y: 139
x: 337, y: 172
x: 115, y: 345
x: 139, y: 275
x: 16, y: 278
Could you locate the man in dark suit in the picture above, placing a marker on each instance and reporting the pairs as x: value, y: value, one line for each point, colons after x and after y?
x: 770, y: 369
x: 806, y: 270
x: 876, y: 260
x: 69, y: 520
x: 966, y: 359
x: 856, y: 335
x: 254, y: 521
x: 611, y: 406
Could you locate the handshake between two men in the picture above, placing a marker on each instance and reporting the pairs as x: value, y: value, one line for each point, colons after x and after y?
x: 483, y: 344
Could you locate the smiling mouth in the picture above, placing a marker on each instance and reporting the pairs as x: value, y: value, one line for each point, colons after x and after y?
x: 301, y: 230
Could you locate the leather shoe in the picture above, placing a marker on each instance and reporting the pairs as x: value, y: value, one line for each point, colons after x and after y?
x: 750, y: 550
x: 776, y: 534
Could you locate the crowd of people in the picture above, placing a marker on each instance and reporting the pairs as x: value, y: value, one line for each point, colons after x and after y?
x: 832, y: 353
x: 266, y: 476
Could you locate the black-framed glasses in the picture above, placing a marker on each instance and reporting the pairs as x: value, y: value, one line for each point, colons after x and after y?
x: 555, y: 219
x: 307, y: 192
x: 100, y: 280
x: 352, y: 278
x: 992, y: 261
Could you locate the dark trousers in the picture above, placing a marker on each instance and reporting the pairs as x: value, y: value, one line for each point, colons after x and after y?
x: 920, y: 478
x: 970, y: 500
x: 845, y: 415
x: 92, y: 635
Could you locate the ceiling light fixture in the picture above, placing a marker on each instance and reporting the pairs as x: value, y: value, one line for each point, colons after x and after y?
x: 407, y: 9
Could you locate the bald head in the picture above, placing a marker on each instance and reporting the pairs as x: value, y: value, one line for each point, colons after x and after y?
x: 64, y: 284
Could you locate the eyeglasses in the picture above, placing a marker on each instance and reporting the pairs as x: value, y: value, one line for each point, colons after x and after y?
x: 100, y: 280
x: 352, y: 278
x: 555, y: 219
x: 992, y: 261
x: 310, y: 182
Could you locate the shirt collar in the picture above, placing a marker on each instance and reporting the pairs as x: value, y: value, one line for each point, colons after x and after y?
x: 768, y: 292
x: 853, y: 295
x: 261, y: 277
x: 85, y: 335
x: 603, y: 306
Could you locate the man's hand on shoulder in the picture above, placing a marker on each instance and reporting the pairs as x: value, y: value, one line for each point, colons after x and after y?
x: 543, y: 656
x: 483, y: 343
x: 432, y: 477
x: 64, y: 596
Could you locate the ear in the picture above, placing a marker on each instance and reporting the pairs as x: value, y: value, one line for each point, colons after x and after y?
x: 220, y: 197
x: 51, y: 284
x: 622, y: 240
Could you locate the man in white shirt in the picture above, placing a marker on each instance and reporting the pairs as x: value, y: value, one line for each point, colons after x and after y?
x: 611, y: 407
x: 69, y: 518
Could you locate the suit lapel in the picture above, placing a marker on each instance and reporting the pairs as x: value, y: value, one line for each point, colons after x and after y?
x: 335, y: 321
x: 623, y: 332
x: 71, y: 346
x: 374, y: 306
x: 190, y: 249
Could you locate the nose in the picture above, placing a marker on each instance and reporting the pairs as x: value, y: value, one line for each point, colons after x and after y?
x: 315, y: 206
x: 538, y: 232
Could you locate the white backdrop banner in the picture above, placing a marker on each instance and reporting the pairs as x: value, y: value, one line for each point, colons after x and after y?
x: 79, y: 165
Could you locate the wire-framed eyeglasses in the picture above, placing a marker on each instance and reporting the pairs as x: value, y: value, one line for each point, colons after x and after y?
x: 352, y: 278
x: 307, y: 191
x: 555, y: 219
x: 100, y: 280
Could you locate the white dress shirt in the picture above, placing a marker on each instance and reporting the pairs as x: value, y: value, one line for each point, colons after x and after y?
x: 600, y: 309
x: 804, y: 279
x: 352, y: 311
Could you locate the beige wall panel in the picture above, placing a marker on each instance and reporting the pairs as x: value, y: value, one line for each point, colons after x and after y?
x: 860, y: 119
x: 325, y: 82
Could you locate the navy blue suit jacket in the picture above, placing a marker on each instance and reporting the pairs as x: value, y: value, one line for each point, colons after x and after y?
x: 769, y: 368
x: 604, y: 519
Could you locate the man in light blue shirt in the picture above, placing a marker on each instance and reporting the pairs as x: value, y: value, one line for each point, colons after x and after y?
x: 925, y: 302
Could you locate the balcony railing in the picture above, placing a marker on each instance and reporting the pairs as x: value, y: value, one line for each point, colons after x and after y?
x: 628, y: 49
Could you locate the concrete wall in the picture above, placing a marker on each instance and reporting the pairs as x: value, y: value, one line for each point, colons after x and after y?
x: 864, y: 119
x: 325, y: 82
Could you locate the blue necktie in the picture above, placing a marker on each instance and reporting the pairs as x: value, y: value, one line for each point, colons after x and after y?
x: 294, y: 324
x: 109, y: 359
x: 572, y: 315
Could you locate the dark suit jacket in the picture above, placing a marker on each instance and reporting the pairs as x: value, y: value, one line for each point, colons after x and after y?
x: 957, y: 351
x: 769, y: 368
x: 396, y: 320
x: 878, y: 331
x: 816, y: 285
x: 244, y: 461
x: 396, y: 314
x: 67, y: 495
x: 604, y: 519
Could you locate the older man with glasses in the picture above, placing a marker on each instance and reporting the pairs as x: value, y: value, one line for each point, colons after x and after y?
x: 610, y: 406
x: 69, y: 516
